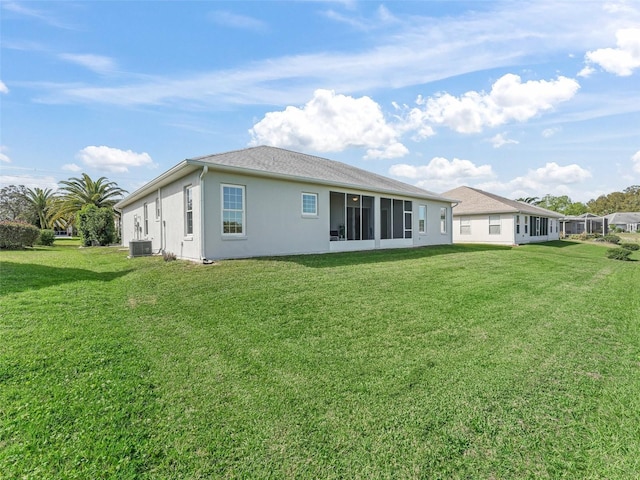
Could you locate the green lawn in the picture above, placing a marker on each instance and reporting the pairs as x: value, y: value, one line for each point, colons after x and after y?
x: 441, y: 362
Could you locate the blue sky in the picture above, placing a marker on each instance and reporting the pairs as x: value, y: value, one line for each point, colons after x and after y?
x: 517, y: 98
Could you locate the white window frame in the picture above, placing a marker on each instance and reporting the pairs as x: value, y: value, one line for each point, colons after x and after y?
x: 242, y: 210
x: 422, y: 219
x: 145, y: 212
x: 157, y: 208
x: 188, y: 210
x: 315, y: 204
x: 443, y: 220
x: 465, y: 226
x: 495, y: 221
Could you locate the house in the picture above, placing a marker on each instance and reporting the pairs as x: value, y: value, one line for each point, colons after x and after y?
x: 626, y: 221
x: 265, y: 201
x: 585, y: 223
x: 482, y: 217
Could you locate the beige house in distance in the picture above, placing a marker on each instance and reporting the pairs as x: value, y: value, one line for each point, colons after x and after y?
x: 483, y: 217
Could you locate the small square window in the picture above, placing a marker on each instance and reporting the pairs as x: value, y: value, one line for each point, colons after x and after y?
x: 310, y: 204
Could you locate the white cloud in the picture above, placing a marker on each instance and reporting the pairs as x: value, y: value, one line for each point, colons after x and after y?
x: 95, y: 63
x: 624, y: 59
x: 113, y: 159
x: 552, y: 178
x: 71, y: 167
x: 636, y: 162
x: 234, y: 20
x: 330, y: 123
x: 441, y: 174
x: 3, y: 87
x: 500, y: 140
x: 3, y: 156
x: 550, y: 132
x: 29, y: 181
x: 505, y: 34
x: 509, y: 100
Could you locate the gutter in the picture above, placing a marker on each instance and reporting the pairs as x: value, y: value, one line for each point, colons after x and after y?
x: 205, y: 169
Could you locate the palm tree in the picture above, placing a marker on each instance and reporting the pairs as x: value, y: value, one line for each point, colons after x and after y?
x: 79, y: 192
x: 43, y: 205
x: 529, y: 200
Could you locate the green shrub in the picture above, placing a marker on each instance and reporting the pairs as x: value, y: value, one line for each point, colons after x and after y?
x: 95, y: 225
x: 630, y: 246
x: 16, y: 234
x: 618, y: 253
x: 612, y: 239
x: 47, y: 237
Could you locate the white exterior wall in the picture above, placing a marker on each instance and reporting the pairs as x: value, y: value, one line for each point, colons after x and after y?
x: 508, y: 231
x: 168, y: 231
x: 275, y: 224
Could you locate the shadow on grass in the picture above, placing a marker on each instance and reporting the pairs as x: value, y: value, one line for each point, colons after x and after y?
x: 330, y: 260
x: 17, y: 277
x: 556, y: 243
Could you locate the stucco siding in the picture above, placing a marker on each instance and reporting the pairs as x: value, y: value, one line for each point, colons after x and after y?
x: 275, y: 224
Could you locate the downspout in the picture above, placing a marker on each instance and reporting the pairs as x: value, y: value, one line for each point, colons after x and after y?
x: 162, y: 226
x: 205, y: 169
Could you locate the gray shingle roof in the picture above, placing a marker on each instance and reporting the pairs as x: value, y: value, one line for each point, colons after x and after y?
x: 627, y: 218
x: 278, y: 162
x: 475, y: 202
x: 273, y: 160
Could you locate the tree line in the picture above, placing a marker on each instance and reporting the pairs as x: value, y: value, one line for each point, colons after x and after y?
x: 626, y: 201
x: 77, y: 203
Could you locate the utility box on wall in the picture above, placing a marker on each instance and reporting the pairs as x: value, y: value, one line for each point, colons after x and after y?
x: 139, y: 248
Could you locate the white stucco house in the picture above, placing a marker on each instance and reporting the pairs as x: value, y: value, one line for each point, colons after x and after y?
x: 482, y: 217
x: 266, y: 201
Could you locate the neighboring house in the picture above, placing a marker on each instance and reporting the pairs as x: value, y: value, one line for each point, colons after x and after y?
x: 266, y: 201
x: 627, y: 221
x: 585, y: 223
x: 482, y: 217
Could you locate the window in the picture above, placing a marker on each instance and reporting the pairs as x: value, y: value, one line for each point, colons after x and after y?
x: 157, y: 208
x: 526, y: 224
x: 146, y: 219
x: 465, y: 226
x: 422, y: 218
x: 517, y: 223
x: 351, y: 216
x: 396, y: 218
x: 233, y: 212
x: 494, y: 224
x: 309, y: 204
x: 188, y: 210
x: 443, y: 220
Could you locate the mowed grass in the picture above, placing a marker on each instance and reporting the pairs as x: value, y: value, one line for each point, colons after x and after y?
x: 440, y: 362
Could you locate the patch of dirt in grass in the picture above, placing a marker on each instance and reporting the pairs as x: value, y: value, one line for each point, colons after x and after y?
x: 134, y: 302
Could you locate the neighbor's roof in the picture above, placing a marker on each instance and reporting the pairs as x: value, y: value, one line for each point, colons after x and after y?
x: 477, y: 202
x: 623, y: 218
x: 275, y: 162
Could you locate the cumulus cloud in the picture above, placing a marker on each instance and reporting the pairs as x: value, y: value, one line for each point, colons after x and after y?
x: 3, y: 87
x: 113, y: 159
x: 636, y: 162
x: 442, y: 174
x: 71, y: 167
x: 331, y: 123
x: 552, y: 178
x: 509, y: 100
x: 500, y: 140
x: 621, y: 61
